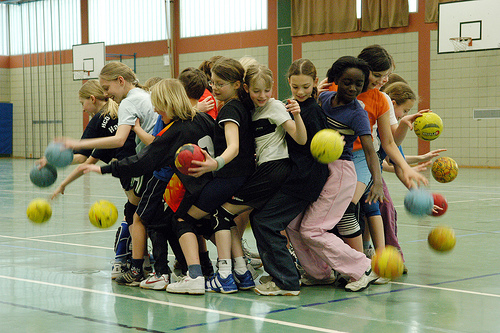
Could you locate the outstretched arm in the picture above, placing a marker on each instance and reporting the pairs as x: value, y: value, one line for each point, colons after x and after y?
x: 74, y: 175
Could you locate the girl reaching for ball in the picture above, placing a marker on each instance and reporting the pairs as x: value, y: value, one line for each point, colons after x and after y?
x: 271, y: 123
x: 318, y: 250
x: 183, y: 125
x: 234, y: 162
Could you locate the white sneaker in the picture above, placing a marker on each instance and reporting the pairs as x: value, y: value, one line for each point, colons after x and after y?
x: 118, y: 269
x: 187, y: 285
x: 308, y: 280
x: 382, y: 280
x: 254, y: 262
x: 364, y: 281
x: 271, y: 289
x: 155, y: 282
x: 369, y: 252
x: 246, y: 250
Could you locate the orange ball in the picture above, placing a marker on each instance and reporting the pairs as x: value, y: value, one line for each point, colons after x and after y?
x: 388, y: 263
x: 442, y: 239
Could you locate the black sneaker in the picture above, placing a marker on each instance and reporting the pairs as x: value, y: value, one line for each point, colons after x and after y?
x: 132, y: 278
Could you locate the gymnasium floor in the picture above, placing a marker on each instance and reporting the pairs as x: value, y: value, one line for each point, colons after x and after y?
x: 55, y: 277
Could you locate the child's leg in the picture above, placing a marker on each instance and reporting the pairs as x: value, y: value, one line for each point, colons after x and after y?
x: 324, y: 214
x: 267, y: 226
x: 377, y: 231
x: 310, y: 262
x: 389, y: 218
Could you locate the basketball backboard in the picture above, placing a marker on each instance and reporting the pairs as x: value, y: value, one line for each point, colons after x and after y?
x: 477, y: 19
x: 88, y: 60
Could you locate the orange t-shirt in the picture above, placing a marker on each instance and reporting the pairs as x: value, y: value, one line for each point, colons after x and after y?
x: 213, y: 113
x: 375, y: 103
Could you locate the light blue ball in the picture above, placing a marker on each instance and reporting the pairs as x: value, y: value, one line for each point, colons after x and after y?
x: 57, y: 155
x: 419, y: 202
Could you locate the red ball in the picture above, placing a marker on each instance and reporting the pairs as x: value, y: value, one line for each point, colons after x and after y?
x: 440, y: 201
x: 185, y: 155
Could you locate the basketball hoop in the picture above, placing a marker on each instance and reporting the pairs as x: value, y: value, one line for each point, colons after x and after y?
x: 80, y: 74
x: 461, y: 43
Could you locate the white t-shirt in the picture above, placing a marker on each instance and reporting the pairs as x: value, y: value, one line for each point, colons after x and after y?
x: 270, y: 143
x: 137, y: 104
x: 393, y: 121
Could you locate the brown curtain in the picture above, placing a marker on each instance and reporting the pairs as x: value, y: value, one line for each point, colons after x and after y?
x: 379, y: 14
x: 431, y: 9
x: 313, y: 17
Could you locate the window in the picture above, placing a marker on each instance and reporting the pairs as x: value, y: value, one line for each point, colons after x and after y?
x: 4, y: 30
x: 412, y: 6
x: 127, y: 21
x: 213, y: 17
x: 44, y: 26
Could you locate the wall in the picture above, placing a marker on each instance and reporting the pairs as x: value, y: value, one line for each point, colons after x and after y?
x: 450, y: 84
x: 402, y: 47
x: 461, y: 82
x: 4, y: 85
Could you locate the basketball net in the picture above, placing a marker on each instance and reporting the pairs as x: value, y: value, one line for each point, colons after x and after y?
x: 461, y: 43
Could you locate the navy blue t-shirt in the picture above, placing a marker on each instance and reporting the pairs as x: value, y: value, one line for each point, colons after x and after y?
x: 350, y: 120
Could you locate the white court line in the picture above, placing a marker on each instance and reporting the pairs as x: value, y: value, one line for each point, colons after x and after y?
x: 54, y: 242
x: 71, y: 234
x: 446, y: 289
x: 177, y: 305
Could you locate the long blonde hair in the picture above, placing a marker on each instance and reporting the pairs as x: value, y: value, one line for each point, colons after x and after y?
x: 400, y: 92
x: 114, y: 69
x: 93, y: 88
x: 170, y: 97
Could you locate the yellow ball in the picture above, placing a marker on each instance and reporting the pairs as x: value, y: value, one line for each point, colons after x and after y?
x: 428, y: 127
x: 388, y: 263
x: 39, y: 211
x: 103, y: 214
x: 327, y: 146
x: 444, y: 169
x: 442, y: 239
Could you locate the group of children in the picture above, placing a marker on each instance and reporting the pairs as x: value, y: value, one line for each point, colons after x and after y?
x: 257, y: 164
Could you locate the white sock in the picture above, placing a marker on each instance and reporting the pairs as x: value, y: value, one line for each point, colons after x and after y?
x: 224, y: 267
x: 240, y: 265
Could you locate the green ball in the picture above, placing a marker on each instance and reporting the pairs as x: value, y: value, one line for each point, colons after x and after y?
x: 44, y: 177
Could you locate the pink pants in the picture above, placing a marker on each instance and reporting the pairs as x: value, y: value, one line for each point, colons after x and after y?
x: 317, y: 249
x: 390, y: 218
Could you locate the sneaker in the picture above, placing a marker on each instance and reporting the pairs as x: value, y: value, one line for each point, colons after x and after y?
x: 308, y: 280
x: 254, y: 262
x: 341, y: 279
x: 369, y: 252
x: 217, y: 284
x: 244, y: 281
x: 155, y: 282
x: 246, y: 250
x: 119, y: 268
x: 265, y: 279
x: 364, y: 281
x: 147, y: 271
x: 252, y: 271
x: 271, y: 289
x: 130, y: 278
x: 188, y: 285
x: 381, y: 280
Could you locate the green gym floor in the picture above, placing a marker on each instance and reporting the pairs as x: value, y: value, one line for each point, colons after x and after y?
x: 55, y: 277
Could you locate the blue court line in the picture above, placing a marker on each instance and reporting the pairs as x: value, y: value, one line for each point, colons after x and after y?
x: 98, y: 321
x: 345, y: 299
x: 53, y: 251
